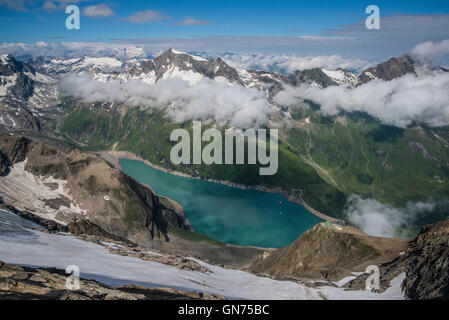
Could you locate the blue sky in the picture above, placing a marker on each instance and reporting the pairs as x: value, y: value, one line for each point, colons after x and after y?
x: 31, y: 21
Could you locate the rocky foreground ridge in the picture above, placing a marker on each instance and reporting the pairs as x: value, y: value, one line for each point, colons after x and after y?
x: 328, y: 253
x: 25, y: 283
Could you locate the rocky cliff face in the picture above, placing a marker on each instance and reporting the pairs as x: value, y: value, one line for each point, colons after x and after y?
x: 16, y: 78
x: 66, y: 185
x: 425, y: 264
x: 427, y: 269
x: 24, y: 93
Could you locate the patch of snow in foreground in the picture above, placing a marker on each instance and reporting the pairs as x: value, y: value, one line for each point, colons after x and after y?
x: 23, y: 246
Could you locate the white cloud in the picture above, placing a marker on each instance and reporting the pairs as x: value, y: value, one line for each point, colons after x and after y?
x: 378, y: 219
x: 51, y: 6
x: 397, y: 29
x: 398, y: 102
x: 193, y: 22
x: 398, y: 34
x: 436, y: 52
x: 287, y: 97
x: 290, y: 63
x: 98, y: 11
x: 206, y: 100
x: 430, y: 48
x: 146, y: 16
x: 324, y: 38
x: 273, y: 62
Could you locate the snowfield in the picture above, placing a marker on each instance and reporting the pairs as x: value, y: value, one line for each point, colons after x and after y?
x: 28, y: 192
x: 19, y: 244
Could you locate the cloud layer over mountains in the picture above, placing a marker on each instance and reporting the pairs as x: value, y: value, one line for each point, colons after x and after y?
x: 398, y: 102
x: 290, y: 63
x: 206, y: 100
x: 276, y: 62
x: 381, y: 220
x: 436, y: 52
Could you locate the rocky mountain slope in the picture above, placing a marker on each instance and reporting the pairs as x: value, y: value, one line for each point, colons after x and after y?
x: 65, y: 185
x: 427, y: 264
x: 328, y: 252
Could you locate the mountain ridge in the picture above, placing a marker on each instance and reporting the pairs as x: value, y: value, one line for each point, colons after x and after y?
x: 72, y: 185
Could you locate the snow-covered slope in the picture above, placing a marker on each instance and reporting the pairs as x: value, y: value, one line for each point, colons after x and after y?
x: 21, y: 245
x: 101, y: 68
x: 31, y: 192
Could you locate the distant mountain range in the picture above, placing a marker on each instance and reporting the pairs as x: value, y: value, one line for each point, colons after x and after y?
x: 27, y: 88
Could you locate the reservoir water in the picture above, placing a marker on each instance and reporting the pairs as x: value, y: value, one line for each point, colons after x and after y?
x: 230, y: 215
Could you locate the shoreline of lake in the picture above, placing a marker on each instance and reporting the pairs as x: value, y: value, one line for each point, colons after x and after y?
x: 113, y: 157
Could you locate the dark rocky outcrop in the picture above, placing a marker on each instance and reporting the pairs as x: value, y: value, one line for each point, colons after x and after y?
x: 4, y: 164
x: 24, y: 85
x: 427, y: 269
x: 14, y: 148
x: 394, y: 68
x: 87, y: 228
x: 425, y: 264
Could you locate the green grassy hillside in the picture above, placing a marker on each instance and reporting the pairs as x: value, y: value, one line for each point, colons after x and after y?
x: 357, y: 154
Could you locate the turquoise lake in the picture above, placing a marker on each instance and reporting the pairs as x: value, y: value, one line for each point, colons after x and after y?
x: 230, y: 215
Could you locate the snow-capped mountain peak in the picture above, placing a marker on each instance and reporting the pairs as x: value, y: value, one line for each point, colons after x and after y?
x: 178, y: 64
